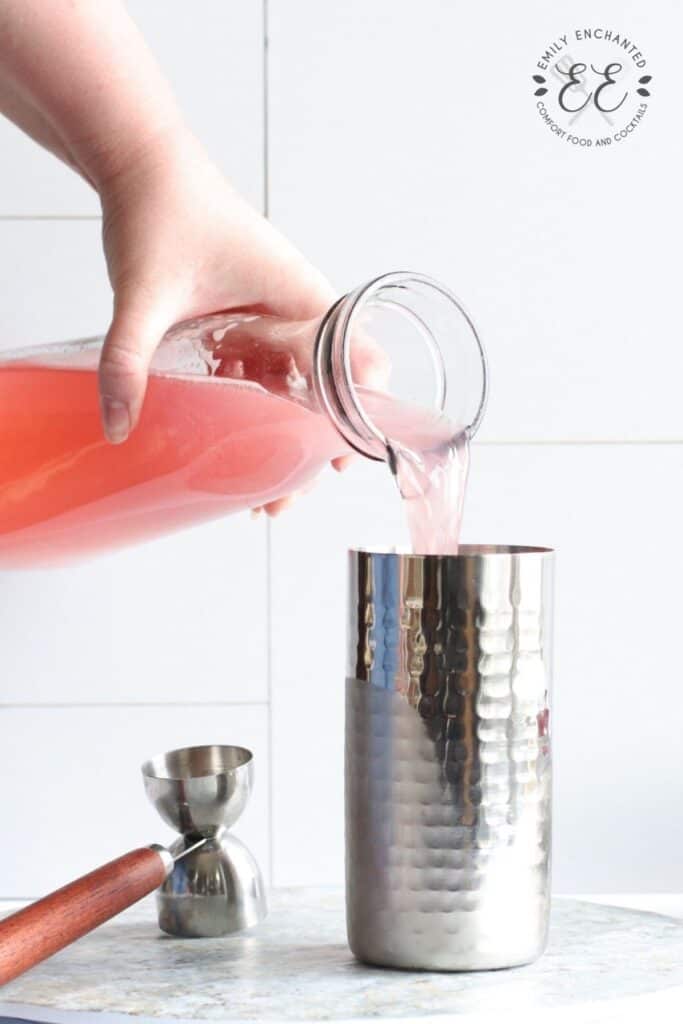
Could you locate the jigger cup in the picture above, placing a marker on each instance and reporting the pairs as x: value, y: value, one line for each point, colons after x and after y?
x: 217, y: 888
x: 448, y: 769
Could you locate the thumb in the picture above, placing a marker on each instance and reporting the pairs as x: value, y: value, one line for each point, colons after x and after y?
x: 131, y: 341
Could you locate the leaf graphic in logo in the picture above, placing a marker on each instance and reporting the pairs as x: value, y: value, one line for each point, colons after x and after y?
x: 645, y: 79
x: 540, y: 92
x: 642, y: 92
x: 540, y: 79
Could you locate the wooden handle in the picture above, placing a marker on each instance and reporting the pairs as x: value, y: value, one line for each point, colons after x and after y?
x: 38, y: 931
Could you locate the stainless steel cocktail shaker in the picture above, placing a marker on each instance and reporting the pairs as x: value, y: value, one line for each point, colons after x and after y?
x: 448, y: 768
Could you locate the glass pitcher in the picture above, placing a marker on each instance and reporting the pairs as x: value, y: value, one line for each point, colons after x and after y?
x: 240, y: 410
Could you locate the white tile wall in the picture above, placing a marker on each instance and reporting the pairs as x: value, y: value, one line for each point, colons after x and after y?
x: 72, y: 791
x: 178, y: 620
x: 613, y: 513
x: 407, y: 138
x: 400, y: 134
x: 54, y: 281
x: 104, y: 665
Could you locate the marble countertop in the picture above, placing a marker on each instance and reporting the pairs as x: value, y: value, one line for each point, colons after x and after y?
x: 604, y: 963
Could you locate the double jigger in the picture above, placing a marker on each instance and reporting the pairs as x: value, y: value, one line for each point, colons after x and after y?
x: 208, y: 882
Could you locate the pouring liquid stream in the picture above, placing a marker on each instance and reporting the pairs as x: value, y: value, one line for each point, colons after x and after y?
x: 432, y: 486
x: 429, y: 458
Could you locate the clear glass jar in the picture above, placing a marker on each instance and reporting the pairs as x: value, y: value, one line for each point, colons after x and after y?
x: 436, y: 358
x: 241, y: 410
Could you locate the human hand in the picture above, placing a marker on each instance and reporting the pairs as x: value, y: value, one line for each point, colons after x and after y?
x: 179, y: 242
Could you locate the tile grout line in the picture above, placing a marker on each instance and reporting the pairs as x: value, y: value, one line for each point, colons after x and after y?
x: 576, y: 443
x: 265, y: 139
x: 269, y: 603
x: 90, y: 705
x: 269, y: 704
x: 50, y: 216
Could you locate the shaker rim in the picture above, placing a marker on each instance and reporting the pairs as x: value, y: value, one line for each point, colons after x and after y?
x: 464, y: 551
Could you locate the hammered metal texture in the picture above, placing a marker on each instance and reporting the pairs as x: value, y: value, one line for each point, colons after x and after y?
x: 448, y: 770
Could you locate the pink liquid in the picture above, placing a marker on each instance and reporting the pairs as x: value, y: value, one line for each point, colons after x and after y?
x: 204, y: 447
x: 432, y: 481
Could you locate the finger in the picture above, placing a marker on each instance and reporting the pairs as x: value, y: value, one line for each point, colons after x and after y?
x: 266, y: 349
x: 291, y: 287
x: 269, y: 351
x: 343, y: 462
x: 127, y: 353
x: 300, y: 292
x: 275, y: 277
x: 275, y: 353
x: 274, y: 508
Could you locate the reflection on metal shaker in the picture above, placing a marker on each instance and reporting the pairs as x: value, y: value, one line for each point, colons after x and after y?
x: 448, y: 767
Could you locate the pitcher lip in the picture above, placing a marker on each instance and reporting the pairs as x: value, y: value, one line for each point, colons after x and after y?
x: 332, y: 353
x: 464, y: 551
x: 361, y: 295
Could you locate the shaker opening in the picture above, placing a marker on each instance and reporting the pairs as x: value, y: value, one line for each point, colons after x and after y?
x: 464, y: 551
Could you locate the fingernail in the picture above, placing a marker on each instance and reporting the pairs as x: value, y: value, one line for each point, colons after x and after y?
x: 275, y: 508
x: 116, y: 420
